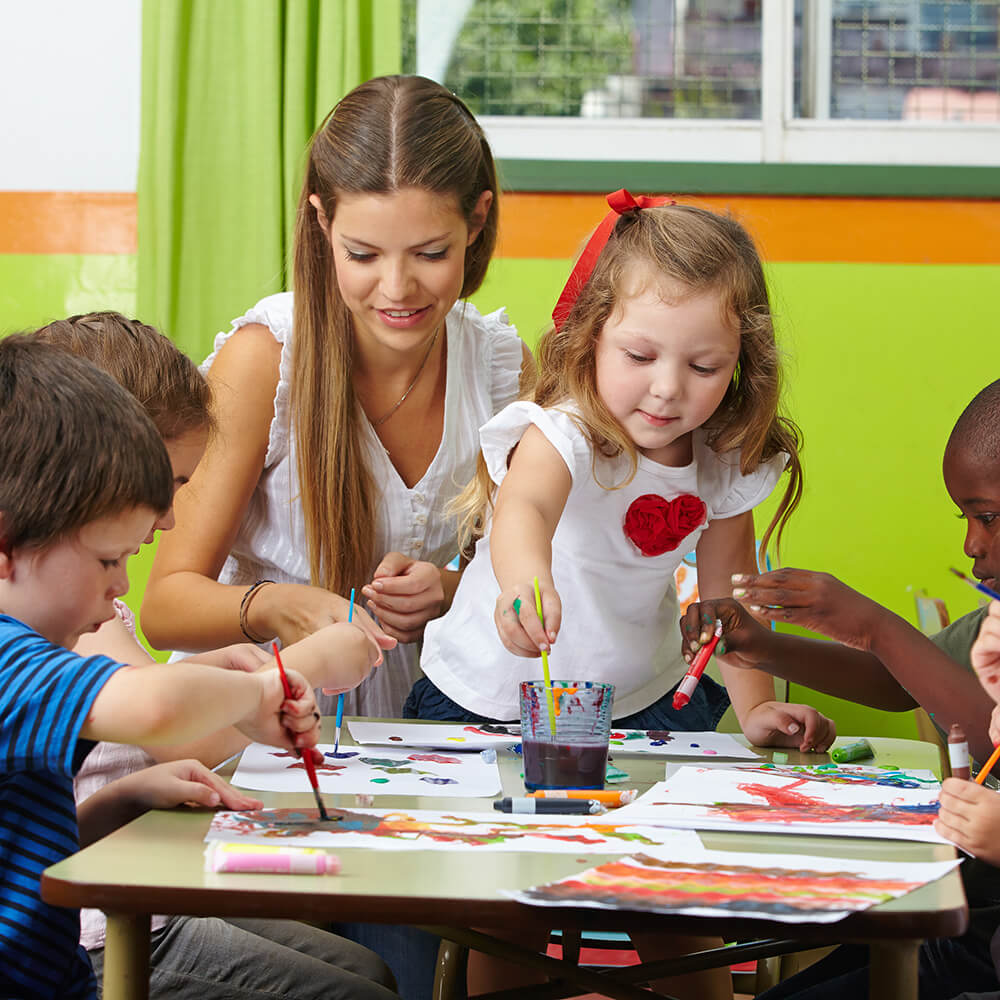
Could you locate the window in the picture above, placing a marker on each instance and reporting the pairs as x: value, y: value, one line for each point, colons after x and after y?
x: 766, y: 81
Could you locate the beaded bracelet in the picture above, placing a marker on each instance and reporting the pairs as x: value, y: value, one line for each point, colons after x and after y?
x: 245, y: 607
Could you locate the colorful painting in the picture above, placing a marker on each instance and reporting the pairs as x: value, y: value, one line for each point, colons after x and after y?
x: 696, y: 881
x: 675, y: 743
x: 401, y: 830
x: 760, y: 800
x: 849, y: 774
x: 354, y: 770
x: 436, y: 736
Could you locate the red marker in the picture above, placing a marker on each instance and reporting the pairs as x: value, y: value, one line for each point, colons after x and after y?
x: 690, y: 680
x: 307, y: 755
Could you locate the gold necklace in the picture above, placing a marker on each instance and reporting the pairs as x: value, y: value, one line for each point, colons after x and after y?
x: 381, y: 420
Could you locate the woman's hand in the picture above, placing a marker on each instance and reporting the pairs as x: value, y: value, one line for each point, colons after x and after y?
x: 404, y: 595
x: 816, y: 601
x: 293, y: 611
x: 777, y: 724
x: 516, y: 617
x: 985, y: 657
x: 743, y: 637
x: 970, y: 817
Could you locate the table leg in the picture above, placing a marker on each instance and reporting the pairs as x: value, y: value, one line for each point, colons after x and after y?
x: 893, y: 970
x: 126, y: 957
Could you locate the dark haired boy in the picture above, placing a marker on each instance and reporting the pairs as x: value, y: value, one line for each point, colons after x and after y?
x: 83, y: 476
x: 882, y: 661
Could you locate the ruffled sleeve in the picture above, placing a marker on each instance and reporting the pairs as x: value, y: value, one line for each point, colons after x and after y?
x: 275, y: 312
x: 502, y: 356
x: 726, y: 490
x: 499, y: 436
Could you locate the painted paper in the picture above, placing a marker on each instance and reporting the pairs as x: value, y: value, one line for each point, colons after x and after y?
x: 437, y: 736
x: 418, y: 829
x: 760, y: 801
x: 675, y: 743
x: 381, y: 771
x: 692, y: 880
x: 849, y: 774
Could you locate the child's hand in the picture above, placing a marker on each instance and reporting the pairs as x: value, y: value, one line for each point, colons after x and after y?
x: 985, y: 656
x: 293, y: 611
x: 743, y: 637
x: 995, y: 726
x: 816, y: 601
x: 970, y: 818
x: 777, y: 724
x: 518, y: 625
x: 241, y: 656
x: 405, y: 595
x: 184, y: 782
x: 291, y: 722
x: 337, y: 658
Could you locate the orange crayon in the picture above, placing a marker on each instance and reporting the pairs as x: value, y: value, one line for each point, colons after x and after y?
x: 607, y: 798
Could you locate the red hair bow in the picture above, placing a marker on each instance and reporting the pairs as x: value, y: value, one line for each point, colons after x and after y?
x: 621, y: 202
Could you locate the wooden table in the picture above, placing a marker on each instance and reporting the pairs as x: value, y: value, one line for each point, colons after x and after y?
x: 154, y: 865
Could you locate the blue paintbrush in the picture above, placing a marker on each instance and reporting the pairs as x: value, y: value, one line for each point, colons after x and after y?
x: 981, y: 587
x: 340, y: 697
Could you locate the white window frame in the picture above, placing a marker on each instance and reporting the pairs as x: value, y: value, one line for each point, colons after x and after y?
x: 776, y: 138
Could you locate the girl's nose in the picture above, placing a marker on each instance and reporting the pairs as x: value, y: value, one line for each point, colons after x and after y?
x: 396, y: 280
x: 665, y: 384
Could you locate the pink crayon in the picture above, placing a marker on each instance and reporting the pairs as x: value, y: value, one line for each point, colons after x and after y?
x: 270, y: 860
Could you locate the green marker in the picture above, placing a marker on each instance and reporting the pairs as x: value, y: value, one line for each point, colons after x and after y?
x: 779, y: 758
x: 858, y: 750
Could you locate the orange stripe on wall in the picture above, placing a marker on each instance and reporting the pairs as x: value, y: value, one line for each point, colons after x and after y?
x: 67, y: 222
x: 866, y: 230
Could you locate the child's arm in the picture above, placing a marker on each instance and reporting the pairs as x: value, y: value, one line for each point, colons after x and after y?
x: 184, y: 605
x: 161, y: 787
x: 172, y: 703
x: 728, y: 544
x: 820, y: 602
x: 528, y: 506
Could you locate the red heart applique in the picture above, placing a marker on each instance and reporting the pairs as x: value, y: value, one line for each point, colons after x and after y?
x: 655, y: 525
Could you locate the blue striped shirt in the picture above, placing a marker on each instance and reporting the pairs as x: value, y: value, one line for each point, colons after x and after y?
x: 46, y: 693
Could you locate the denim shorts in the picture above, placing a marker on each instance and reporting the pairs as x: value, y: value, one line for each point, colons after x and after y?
x: 708, y: 704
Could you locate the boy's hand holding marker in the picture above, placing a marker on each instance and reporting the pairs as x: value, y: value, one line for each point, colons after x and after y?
x: 520, y: 629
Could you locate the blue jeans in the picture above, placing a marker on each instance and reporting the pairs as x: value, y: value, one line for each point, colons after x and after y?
x: 708, y: 704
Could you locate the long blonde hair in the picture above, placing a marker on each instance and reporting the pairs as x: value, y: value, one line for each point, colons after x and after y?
x: 701, y: 251
x: 389, y: 133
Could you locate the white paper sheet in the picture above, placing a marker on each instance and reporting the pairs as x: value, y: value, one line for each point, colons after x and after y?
x: 665, y: 743
x: 437, y: 736
x: 381, y: 771
x: 757, y: 801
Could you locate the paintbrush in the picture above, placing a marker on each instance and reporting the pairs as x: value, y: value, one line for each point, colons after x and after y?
x: 981, y: 587
x: 545, y: 665
x: 307, y: 760
x: 340, y: 697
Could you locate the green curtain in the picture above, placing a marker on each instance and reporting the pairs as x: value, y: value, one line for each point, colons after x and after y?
x: 231, y: 92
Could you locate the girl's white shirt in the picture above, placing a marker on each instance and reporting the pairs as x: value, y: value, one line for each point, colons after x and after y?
x: 484, y: 357
x: 619, y: 607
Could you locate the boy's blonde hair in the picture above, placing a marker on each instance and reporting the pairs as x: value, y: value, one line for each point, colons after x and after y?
x: 74, y: 446
x: 389, y: 133
x: 163, y: 378
x: 700, y: 251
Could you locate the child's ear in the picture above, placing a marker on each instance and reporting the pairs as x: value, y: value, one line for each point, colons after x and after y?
x: 6, y: 552
x: 478, y: 216
x: 324, y: 222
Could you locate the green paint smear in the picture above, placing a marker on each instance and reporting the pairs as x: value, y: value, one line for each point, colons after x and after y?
x: 379, y: 781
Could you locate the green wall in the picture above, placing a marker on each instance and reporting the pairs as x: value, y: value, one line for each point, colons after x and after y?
x: 880, y: 361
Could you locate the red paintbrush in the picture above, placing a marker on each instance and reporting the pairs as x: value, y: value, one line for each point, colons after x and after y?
x: 307, y: 756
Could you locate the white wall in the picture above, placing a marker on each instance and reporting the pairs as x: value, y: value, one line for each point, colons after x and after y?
x: 69, y: 95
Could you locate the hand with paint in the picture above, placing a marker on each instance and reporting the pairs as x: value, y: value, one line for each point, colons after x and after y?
x: 781, y: 724
x: 970, y: 817
x: 520, y: 629
x: 404, y: 595
x: 816, y: 601
x: 336, y: 658
x: 744, y: 640
x: 985, y: 658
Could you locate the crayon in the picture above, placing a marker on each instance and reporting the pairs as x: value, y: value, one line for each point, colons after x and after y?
x: 566, y: 807
x: 858, y: 750
x: 608, y: 798
x: 268, y: 859
x: 958, y: 752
